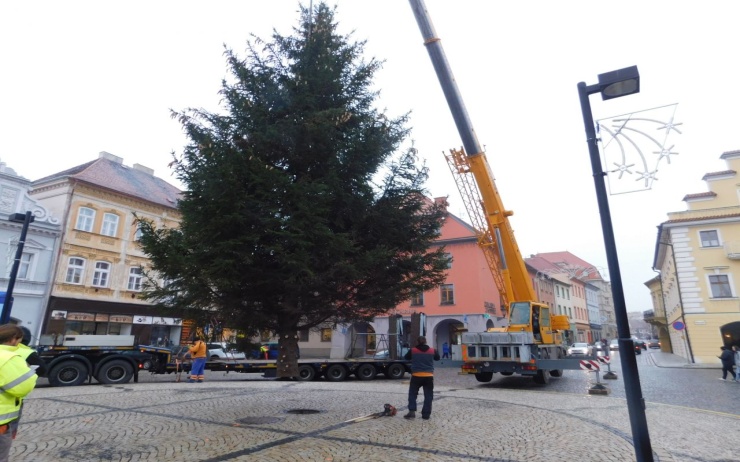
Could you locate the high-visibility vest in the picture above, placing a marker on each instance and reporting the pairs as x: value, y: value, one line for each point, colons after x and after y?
x: 198, y: 350
x: 16, y: 381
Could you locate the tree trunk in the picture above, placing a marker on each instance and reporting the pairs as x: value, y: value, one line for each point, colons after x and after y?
x: 287, y: 361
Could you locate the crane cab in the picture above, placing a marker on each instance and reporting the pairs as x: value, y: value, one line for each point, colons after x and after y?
x: 535, y: 318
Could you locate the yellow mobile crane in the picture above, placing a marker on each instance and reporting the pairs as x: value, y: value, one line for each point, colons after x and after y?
x: 532, y: 343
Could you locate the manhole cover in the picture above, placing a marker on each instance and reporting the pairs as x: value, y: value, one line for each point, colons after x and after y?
x: 260, y: 420
x: 303, y: 411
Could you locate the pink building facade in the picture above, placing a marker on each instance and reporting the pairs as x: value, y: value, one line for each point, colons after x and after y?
x: 467, y: 301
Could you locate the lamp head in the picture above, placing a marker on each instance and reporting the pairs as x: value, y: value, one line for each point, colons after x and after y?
x: 621, y: 82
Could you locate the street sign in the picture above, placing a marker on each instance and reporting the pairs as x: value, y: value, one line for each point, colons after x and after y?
x: 678, y: 325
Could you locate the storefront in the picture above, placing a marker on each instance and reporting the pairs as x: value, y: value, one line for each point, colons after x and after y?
x: 66, y: 316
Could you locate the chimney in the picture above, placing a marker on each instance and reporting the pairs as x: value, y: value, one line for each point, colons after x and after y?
x: 146, y: 170
x: 110, y: 157
x: 442, y: 201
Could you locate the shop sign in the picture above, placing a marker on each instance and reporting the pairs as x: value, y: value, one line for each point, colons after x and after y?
x: 121, y: 318
x: 101, y: 317
x: 142, y: 319
x: 80, y: 317
x: 57, y: 314
x: 159, y: 320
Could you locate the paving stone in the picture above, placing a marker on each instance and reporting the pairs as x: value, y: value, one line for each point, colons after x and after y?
x: 251, y: 421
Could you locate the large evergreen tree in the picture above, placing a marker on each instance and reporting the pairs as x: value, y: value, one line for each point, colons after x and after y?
x: 301, y: 207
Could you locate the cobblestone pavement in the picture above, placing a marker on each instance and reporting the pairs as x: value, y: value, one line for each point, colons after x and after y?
x: 252, y: 421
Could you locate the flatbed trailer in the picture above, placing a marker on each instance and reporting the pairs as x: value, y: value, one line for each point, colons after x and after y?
x: 333, y: 370
x: 75, y: 365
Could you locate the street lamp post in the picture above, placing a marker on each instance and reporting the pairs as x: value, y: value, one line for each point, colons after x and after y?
x: 26, y: 219
x: 616, y: 84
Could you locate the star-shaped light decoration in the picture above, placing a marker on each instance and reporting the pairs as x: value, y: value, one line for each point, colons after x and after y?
x: 626, y: 141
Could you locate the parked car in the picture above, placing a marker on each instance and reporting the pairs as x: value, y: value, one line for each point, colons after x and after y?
x: 384, y: 354
x: 580, y: 349
x: 221, y: 351
x: 653, y: 343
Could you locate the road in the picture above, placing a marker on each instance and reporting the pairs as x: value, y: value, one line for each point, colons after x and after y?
x: 692, y: 388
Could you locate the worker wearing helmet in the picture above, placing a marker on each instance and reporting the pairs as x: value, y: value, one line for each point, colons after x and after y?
x: 198, y: 352
x: 16, y: 381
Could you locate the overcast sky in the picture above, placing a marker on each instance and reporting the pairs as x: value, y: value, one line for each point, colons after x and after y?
x: 79, y: 77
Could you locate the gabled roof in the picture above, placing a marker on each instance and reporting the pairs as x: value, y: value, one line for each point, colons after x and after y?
x: 115, y: 176
x: 571, y: 264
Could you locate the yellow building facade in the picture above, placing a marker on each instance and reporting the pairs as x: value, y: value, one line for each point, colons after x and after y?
x: 99, y: 268
x: 697, y: 253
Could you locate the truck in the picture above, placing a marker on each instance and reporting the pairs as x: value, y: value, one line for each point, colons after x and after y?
x: 532, y: 344
x: 109, y: 359
x: 116, y: 359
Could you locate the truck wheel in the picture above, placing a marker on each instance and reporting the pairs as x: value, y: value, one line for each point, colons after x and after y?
x: 366, y: 372
x: 556, y: 372
x: 542, y: 377
x: 115, y: 372
x: 484, y: 376
x: 336, y: 373
x: 306, y: 373
x: 68, y: 374
x: 395, y: 371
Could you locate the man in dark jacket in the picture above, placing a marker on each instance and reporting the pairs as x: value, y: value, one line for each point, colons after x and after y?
x: 728, y: 360
x: 422, y: 358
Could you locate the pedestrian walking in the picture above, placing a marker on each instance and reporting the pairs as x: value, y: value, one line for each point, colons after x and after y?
x: 17, y: 380
x: 445, y: 350
x: 728, y: 360
x: 736, y: 350
x: 198, y: 352
x: 422, y: 358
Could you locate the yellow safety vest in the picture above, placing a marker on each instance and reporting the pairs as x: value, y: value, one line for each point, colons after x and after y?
x: 16, y: 381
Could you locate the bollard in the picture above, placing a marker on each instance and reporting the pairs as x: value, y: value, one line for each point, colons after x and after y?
x: 609, y: 375
x: 598, y: 388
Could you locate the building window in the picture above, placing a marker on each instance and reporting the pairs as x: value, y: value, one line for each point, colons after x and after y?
x: 137, y: 233
x: 417, y: 299
x: 720, y: 285
x: 75, y: 269
x: 303, y: 335
x: 24, y: 269
x: 447, y: 292
x: 85, y: 219
x: 134, y: 279
x: 709, y: 238
x: 448, y: 257
x: 100, y: 276
x: 326, y: 334
x: 110, y: 225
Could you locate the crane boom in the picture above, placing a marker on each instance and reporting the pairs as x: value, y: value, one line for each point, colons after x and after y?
x: 496, y: 237
x: 532, y: 342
